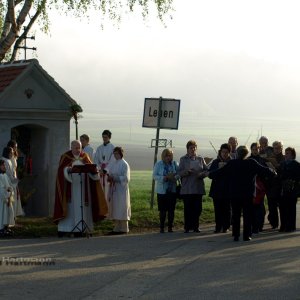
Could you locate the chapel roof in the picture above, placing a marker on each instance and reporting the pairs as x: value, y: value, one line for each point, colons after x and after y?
x: 9, y: 72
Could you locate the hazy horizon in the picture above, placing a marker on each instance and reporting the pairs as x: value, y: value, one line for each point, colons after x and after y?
x: 127, y: 131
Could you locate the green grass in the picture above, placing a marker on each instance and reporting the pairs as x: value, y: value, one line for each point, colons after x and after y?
x: 143, y: 217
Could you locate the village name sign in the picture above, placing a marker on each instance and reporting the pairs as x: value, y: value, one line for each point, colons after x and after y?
x: 161, y: 113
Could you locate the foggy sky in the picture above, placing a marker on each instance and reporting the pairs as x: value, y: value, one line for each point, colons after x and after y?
x: 218, y: 57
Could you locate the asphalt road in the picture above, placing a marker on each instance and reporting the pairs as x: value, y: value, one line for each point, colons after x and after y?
x: 153, y: 266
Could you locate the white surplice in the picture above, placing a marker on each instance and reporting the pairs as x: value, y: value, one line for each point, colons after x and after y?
x: 7, y: 217
x: 103, y: 158
x: 119, y: 197
x: 74, y: 207
x: 10, y: 165
x: 89, y: 151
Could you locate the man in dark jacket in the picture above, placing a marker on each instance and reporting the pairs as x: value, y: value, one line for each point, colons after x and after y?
x: 241, y: 173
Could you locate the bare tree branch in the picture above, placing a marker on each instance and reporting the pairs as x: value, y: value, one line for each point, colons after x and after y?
x: 26, y: 30
x: 12, y: 34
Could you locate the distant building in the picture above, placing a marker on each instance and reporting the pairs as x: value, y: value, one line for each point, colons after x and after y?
x: 36, y: 112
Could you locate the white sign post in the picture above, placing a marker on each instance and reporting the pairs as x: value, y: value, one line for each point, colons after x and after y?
x: 160, y: 113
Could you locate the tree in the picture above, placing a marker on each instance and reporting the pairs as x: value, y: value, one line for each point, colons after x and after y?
x: 18, y: 16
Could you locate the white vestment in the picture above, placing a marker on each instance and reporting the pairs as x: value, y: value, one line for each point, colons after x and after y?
x: 89, y: 151
x: 119, y: 197
x: 103, y: 158
x: 10, y: 165
x: 73, y: 218
x: 7, y: 217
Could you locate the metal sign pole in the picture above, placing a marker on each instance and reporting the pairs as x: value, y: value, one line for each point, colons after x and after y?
x: 156, y: 148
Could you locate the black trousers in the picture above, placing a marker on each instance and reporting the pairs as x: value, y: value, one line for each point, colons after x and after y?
x: 192, y: 211
x: 240, y: 205
x: 273, y: 203
x: 287, y: 209
x: 166, y: 205
x: 222, y: 213
x: 258, y: 218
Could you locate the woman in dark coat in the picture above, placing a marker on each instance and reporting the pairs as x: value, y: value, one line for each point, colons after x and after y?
x: 219, y: 191
x: 259, y: 210
x: 289, y: 173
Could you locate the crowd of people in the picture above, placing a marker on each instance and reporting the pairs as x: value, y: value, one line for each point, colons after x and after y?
x: 93, y: 185
x: 239, y: 185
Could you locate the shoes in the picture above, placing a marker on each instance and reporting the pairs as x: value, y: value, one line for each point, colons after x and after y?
x: 8, y: 233
x: 112, y: 233
x: 197, y: 230
x: 60, y: 234
x: 246, y: 239
x: 236, y: 238
x: 77, y: 234
x: 186, y: 231
x: 225, y: 230
x: 162, y: 230
x: 290, y: 230
x: 170, y: 230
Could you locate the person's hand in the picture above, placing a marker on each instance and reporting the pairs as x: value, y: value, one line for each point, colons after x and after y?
x: 188, y: 172
x: 171, y: 176
x: 110, y: 178
x: 201, y: 175
x: 273, y: 171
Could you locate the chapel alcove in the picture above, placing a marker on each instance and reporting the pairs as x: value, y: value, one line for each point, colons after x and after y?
x: 33, y: 167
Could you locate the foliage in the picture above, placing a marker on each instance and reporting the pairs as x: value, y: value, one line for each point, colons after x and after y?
x: 18, y: 17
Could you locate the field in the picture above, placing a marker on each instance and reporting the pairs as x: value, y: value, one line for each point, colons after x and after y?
x: 143, y: 217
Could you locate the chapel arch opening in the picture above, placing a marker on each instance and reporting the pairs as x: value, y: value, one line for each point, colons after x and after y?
x: 33, y: 165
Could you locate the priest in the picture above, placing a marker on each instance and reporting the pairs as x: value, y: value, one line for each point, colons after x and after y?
x: 74, y: 190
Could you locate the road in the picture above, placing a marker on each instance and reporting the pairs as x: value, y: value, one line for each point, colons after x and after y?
x: 153, y: 266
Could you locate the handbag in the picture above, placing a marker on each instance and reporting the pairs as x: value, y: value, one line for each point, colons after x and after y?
x: 178, y: 189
